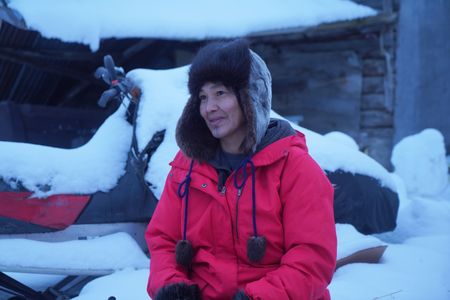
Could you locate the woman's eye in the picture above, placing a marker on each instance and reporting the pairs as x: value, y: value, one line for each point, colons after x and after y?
x: 202, y: 97
x: 220, y: 93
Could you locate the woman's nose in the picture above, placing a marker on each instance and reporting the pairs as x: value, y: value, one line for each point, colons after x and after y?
x: 211, y: 105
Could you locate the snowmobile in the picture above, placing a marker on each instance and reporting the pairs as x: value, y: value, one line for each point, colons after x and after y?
x: 360, y: 199
x: 131, y: 200
x: 127, y: 207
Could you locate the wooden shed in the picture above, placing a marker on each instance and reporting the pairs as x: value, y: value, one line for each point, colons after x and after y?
x: 338, y: 77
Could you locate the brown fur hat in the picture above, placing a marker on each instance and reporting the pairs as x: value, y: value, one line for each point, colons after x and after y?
x: 234, y: 65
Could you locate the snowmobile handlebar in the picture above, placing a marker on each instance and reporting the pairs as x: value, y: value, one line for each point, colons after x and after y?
x: 120, y: 86
x: 110, y: 67
x: 106, y: 97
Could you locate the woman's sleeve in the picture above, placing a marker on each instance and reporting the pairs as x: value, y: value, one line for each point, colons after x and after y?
x: 307, y: 266
x: 161, y: 235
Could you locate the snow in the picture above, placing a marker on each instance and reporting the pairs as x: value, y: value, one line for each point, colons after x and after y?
x: 422, y: 174
x: 95, y: 166
x: 331, y: 155
x: 351, y: 241
x: 164, y: 93
x: 342, y: 139
x: 414, y: 270
x: 176, y: 19
x: 125, y: 284
x: 424, y: 151
x: 97, y: 255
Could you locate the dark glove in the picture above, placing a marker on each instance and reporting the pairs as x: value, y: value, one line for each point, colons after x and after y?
x: 178, y: 291
x: 240, y: 295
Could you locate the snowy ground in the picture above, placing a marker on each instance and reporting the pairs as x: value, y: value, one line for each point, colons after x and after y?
x: 416, y: 264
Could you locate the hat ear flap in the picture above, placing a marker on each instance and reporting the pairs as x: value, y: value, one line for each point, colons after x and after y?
x: 192, y: 135
x: 248, y: 111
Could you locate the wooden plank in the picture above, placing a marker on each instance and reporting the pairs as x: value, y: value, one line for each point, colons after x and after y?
x: 389, y: 38
x: 377, y: 143
x: 376, y: 118
x: 360, y: 44
x: 370, y: 255
x: 12, y: 126
x: 373, y: 85
x: 375, y: 4
x: 323, y: 87
x: 374, y: 67
x: 11, y: 56
x: 376, y: 102
x: 340, y: 28
x: 326, y: 30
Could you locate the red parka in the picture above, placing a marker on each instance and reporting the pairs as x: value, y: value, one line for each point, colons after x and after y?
x: 294, y: 211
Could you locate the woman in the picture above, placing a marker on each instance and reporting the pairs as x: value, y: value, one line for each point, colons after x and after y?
x: 246, y: 213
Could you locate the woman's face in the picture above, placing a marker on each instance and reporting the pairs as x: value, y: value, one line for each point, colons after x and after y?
x: 220, y: 109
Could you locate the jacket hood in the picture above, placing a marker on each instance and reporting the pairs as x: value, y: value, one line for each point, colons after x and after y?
x: 276, y: 130
x: 234, y: 65
x: 279, y: 139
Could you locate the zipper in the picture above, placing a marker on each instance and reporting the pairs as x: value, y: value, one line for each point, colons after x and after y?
x: 237, y: 212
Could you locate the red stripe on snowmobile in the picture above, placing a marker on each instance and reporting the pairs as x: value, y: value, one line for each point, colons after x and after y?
x: 57, y: 211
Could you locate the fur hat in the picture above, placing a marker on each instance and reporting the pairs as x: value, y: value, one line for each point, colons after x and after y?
x: 234, y: 65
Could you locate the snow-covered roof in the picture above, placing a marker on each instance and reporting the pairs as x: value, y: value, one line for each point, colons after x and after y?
x: 88, y: 22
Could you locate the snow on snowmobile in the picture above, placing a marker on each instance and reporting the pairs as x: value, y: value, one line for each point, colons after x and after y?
x: 127, y: 207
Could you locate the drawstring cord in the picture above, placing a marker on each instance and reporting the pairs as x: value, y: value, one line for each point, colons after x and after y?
x: 184, y: 252
x: 183, y: 192
x: 239, y: 186
x: 256, y: 245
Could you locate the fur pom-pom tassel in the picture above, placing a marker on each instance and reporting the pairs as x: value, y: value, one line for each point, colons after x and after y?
x: 256, y: 248
x: 184, y: 253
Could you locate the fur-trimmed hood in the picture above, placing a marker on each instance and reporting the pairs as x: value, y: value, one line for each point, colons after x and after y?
x: 234, y: 65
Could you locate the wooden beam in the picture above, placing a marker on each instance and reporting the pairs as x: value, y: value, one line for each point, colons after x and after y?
x: 60, y: 55
x: 8, y: 55
x: 327, y: 30
x: 127, y: 54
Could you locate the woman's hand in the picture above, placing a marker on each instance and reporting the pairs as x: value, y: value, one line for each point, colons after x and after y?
x: 178, y: 291
x: 240, y: 295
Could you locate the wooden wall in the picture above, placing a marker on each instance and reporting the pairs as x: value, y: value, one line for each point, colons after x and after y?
x: 338, y: 79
